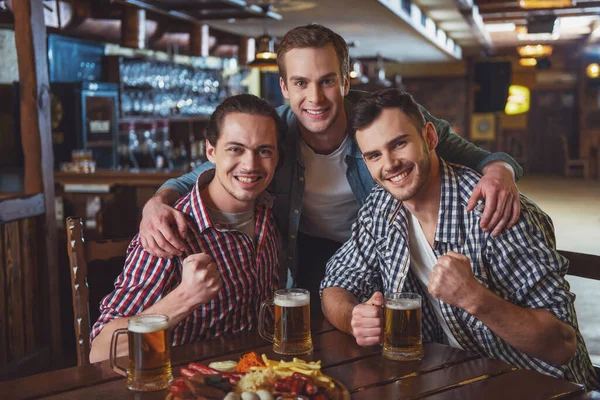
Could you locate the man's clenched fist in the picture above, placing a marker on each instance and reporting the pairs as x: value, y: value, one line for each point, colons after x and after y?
x: 452, y: 281
x: 200, y: 279
x: 367, y: 321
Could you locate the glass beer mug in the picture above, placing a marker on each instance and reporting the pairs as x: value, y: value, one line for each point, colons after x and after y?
x: 402, y: 338
x: 292, y: 322
x: 149, y: 366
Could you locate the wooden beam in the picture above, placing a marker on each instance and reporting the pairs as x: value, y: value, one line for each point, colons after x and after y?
x: 514, y: 6
x: 522, y: 15
x: 30, y: 37
x: 199, y: 40
x: 133, y: 27
x: 244, y: 56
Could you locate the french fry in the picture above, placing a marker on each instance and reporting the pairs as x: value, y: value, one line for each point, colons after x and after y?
x: 284, y: 369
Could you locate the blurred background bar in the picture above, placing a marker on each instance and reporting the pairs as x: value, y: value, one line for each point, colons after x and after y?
x: 129, y: 86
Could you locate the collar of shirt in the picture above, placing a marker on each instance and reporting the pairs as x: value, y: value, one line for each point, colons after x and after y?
x: 448, y: 229
x: 199, y: 209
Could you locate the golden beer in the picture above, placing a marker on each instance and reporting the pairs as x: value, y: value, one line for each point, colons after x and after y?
x: 402, y: 338
x: 149, y: 366
x: 291, y: 324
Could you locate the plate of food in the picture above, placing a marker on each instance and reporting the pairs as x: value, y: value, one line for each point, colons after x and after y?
x: 256, y: 377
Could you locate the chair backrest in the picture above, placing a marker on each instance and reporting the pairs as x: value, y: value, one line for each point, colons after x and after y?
x: 584, y: 266
x: 89, y: 259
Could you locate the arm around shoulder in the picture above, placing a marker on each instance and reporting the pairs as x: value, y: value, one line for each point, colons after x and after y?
x: 186, y: 182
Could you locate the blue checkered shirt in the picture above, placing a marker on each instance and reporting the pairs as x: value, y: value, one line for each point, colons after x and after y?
x: 521, y: 266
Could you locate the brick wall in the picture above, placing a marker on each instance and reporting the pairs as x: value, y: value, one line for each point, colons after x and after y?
x: 444, y: 98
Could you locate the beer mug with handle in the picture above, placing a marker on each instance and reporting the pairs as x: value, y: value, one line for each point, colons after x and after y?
x: 149, y: 366
x: 292, y: 322
x: 402, y: 327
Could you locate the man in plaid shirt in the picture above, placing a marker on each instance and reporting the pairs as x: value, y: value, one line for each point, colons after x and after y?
x: 503, y: 297
x: 230, y: 262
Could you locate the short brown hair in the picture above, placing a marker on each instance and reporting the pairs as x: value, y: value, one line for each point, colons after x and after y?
x: 243, y: 104
x: 370, y: 106
x: 313, y: 35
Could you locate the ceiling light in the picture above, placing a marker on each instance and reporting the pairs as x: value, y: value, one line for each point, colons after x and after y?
x: 535, y: 51
x: 528, y: 62
x: 503, y: 27
x: 546, y: 3
x: 266, y: 58
x: 593, y: 71
x: 538, y: 36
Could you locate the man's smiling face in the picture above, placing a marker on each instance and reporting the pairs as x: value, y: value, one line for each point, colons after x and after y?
x: 315, y: 87
x: 245, y: 158
x: 396, y: 153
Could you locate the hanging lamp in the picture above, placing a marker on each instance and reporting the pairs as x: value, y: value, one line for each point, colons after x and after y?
x: 265, y: 58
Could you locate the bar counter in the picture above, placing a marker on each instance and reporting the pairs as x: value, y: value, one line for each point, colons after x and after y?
x: 113, y: 177
x: 109, y: 201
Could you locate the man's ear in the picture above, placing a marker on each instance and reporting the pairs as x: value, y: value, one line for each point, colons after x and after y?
x: 430, y: 136
x: 284, y: 89
x: 346, y: 87
x: 210, y: 152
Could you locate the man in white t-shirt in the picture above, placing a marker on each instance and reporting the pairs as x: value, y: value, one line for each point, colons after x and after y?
x: 503, y: 297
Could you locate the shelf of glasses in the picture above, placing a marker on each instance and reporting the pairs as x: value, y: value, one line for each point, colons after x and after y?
x: 150, y: 119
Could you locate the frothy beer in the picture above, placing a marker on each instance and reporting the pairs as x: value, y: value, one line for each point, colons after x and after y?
x: 149, y: 365
x: 402, y: 338
x: 292, y: 322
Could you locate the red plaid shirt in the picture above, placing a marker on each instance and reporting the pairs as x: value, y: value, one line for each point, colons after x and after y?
x: 249, y: 272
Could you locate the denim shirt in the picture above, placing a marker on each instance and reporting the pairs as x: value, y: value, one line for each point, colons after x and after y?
x: 288, y: 183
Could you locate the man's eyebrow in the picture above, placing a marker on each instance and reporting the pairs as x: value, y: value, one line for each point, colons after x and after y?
x: 302, y: 78
x: 262, y: 146
x: 387, y: 144
x: 235, y: 144
x: 370, y: 153
x: 399, y: 137
x: 297, y: 78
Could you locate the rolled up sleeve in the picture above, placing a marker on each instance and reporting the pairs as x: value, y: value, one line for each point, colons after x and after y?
x: 141, y: 284
x: 538, y: 270
x: 355, y: 266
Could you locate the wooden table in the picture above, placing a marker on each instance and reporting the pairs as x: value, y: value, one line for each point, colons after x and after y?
x: 444, y: 372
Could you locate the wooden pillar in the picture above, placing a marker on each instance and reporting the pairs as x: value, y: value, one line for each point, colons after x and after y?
x: 245, y: 50
x: 199, y: 40
x: 30, y: 37
x: 133, y: 27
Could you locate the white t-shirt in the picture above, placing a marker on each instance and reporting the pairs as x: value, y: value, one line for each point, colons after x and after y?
x: 422, y: 261
x: 243, y: 222
x: 329, y: 207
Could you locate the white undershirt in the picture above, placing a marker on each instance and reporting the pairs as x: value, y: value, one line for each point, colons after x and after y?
x: 422, y: 261
x: 329, y: 207
x: 243, y: 222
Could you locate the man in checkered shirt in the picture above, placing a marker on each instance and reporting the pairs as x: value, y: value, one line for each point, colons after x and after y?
x: 230, y: 263
x: 503, y: 297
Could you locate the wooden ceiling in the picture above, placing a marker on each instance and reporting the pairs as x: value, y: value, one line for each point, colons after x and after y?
x: 494, y: 11
x: 204, y: 10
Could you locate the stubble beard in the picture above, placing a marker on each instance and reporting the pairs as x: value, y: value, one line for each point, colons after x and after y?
x: 243, y: 196
x: 423, y: 169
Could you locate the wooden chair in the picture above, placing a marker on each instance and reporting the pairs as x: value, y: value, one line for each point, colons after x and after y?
x: 584, y: 266
x: 574, y: 163
x: 94, y: 267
